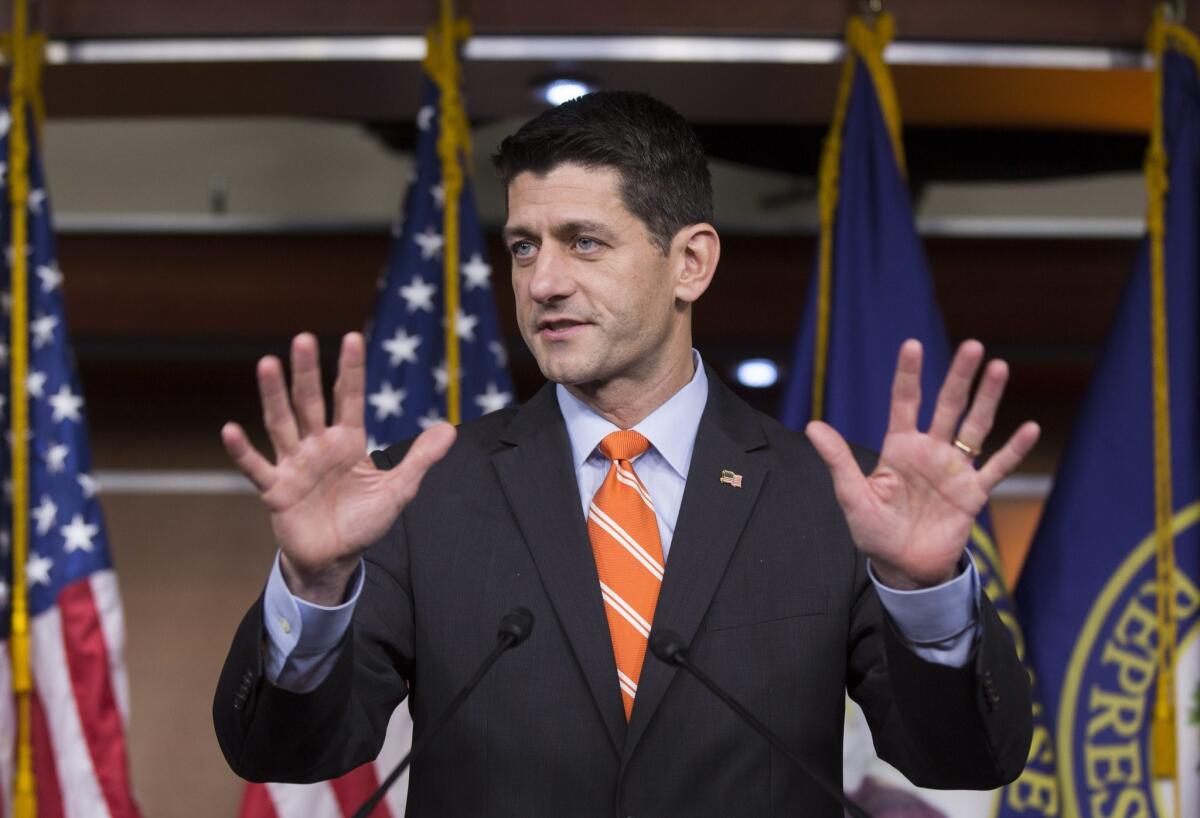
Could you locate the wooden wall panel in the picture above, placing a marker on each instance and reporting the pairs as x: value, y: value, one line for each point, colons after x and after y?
x: 1116, y: 101
x: 972, y: 96
x: 218, y: 287
x: 168, y: 327
x: 1063, y: 21
x: 1030, y: 292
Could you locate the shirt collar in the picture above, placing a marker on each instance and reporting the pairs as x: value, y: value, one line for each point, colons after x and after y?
x: 671, y: 428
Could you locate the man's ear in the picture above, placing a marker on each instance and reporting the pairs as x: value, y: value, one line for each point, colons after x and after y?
x: 696, y: 250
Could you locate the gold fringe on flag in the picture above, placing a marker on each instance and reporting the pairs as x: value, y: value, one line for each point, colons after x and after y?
x: 1163, y: 732
x: 865, y: 40
x: 441, y: 61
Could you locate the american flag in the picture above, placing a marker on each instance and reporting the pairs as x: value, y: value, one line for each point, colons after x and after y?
x: 406, y: 392
x: 80, y: 706
x: 406, y: 358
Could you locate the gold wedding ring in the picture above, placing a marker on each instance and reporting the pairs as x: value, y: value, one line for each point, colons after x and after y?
x: 970, y: 452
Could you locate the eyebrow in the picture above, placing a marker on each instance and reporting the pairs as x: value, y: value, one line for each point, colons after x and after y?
x: 565, y: 230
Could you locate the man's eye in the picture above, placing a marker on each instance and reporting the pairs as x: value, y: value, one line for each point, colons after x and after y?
x: 586, y: 245
x: 522, y: 249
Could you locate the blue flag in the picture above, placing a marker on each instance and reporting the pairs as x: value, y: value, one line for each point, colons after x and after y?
x: 881, y: 290
x: 1087, y: 591
x: 406, y: 356
x: 80, y: 700
x: 881, y: 293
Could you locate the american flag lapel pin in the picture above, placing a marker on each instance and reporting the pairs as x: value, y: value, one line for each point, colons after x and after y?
x: 731, y: 479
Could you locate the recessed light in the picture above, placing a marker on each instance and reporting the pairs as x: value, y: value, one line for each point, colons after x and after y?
x: 561, y: 90
x: 757, y: 373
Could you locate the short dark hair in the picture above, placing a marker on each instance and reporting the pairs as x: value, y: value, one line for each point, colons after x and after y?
x: 658, y: 157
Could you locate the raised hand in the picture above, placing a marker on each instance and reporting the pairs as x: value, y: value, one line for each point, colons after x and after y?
x: 328, y: 501
x: 913, y: 514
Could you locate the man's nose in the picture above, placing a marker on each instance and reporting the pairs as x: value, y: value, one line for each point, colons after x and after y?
x: 551, y: 277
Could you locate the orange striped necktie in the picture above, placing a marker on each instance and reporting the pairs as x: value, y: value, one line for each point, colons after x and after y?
x: 629, y: 558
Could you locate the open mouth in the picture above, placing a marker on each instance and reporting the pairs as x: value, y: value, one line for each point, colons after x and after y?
x: 559, y: 328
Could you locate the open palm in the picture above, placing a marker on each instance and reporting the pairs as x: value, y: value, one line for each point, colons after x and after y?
x: 328, y: 501
x: 913, y: 514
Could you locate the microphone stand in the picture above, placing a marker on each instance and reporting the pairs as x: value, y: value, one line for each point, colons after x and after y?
x: 515, y: 627
x: 669, y: 647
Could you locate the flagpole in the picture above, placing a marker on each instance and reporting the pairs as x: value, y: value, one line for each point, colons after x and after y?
x: 24, y: 797
x: 827, y: 197
x: 441, y: 62
x: 867, y: 36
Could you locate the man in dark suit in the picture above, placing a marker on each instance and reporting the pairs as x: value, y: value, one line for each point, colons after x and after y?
x: 635, y: 491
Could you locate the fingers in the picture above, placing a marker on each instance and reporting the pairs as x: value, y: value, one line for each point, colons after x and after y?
x: 1001, y: 464
x: 278, y: 419
x: 978, y: 423
x: 348, y: 391
x: 307, y: 399
x: 848, y: 480
x: 429, y: 447
x: 906, y: 388
x: 246, y: 457
x: 956, y: 389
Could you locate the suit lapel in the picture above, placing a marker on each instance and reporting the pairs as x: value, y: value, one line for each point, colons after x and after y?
x: 711, y: 518
x: 538, y: 479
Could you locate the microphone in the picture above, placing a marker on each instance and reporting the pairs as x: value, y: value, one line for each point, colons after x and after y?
x: 515, y: 628
x: 517, y: 624
x: 670, y: 648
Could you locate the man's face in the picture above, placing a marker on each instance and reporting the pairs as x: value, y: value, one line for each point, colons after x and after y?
x: 595, y: 297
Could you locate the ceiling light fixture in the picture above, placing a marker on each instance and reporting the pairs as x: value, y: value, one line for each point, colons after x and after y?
x: 757, y: 373
x: 558, y: 91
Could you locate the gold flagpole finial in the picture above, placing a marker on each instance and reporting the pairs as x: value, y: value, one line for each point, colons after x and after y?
x: 870, y: 10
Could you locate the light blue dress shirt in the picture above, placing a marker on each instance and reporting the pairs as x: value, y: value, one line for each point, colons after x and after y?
x: 940, y: 622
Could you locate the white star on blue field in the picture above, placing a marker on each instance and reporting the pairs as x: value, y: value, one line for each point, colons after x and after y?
x: 407, y: 375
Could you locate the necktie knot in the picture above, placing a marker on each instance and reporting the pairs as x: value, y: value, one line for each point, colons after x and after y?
x: 624, y: 445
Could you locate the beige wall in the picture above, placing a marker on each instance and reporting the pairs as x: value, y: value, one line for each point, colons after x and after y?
x: 188, y: 567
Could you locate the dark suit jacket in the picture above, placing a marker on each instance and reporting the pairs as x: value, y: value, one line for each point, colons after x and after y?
x: 763, y: 581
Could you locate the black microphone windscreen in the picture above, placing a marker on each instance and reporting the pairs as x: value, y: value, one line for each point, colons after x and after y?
x: 667, y: 646
x: 517, y: 623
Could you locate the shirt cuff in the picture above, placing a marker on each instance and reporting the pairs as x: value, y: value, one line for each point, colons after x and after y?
x: 296, y: 628
x: 939, y: 623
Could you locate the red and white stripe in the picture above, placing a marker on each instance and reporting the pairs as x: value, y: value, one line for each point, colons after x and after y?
x: 80, y: 706
x: 8, y: 729
x: 340, y: 797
